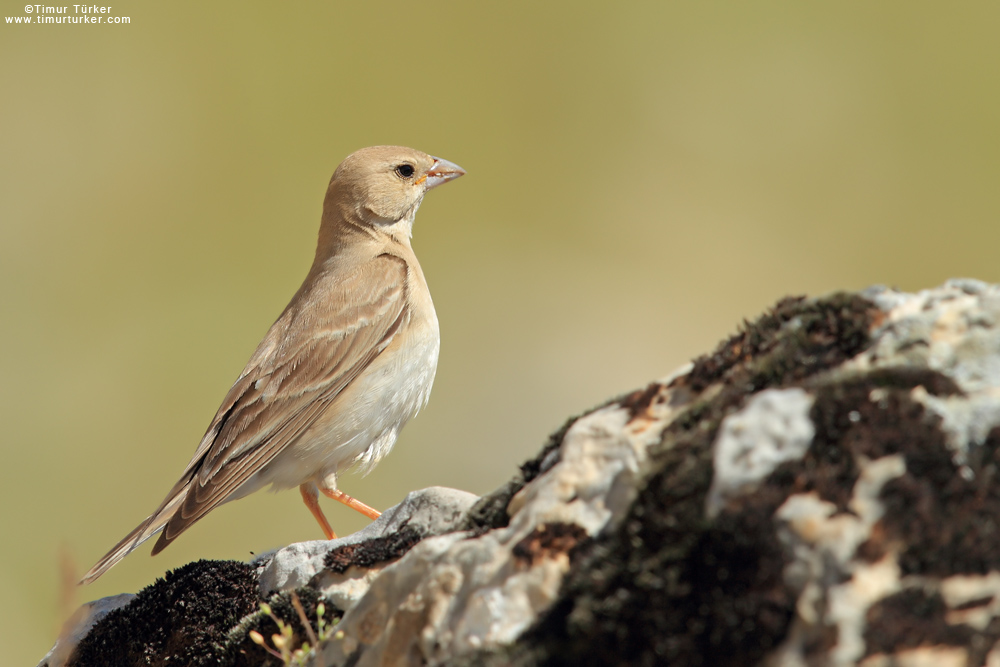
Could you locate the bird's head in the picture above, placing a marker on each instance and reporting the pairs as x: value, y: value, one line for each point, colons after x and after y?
x: 382, y: 186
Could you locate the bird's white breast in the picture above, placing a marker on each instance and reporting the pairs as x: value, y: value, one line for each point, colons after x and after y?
x: 362, y: 424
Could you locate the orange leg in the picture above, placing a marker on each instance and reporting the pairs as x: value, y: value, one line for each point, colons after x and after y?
x: 310, y: 498
x: 353, y: 503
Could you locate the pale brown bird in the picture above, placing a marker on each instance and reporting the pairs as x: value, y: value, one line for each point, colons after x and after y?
x: 349, y: 361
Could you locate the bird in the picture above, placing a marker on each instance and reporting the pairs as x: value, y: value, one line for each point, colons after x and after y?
x: 346, y: 365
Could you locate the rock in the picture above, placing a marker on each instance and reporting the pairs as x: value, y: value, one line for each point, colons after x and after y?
x: 79, y: 624
x: 821, y: 489
x: 432, y: 511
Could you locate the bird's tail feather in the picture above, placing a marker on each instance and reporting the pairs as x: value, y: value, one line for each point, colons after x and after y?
x: 145, y: 530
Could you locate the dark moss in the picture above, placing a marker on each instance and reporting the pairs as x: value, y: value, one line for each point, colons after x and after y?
x: 850, y: 425
x: 490, y: 512
x: 743, y: 346
x: 948, y: 519
x: 797, y: 338
x: 181, y: 619
x: 846, y: 417
x: 909, y: 619
x: 904, y: 377
x: 199, y: 614
x: 972, y: 604
x: 374, y: 551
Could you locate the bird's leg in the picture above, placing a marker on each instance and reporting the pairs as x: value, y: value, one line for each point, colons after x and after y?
x: 311, y: 499
x: 353, y: 503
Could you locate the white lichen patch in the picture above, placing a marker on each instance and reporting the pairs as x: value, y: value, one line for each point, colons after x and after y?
x: 973, y: 600
x: 924, y: 656
x: 773, y: 428
x: 954, y: 329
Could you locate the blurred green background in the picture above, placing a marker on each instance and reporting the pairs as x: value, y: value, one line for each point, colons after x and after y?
x: 640, y: 178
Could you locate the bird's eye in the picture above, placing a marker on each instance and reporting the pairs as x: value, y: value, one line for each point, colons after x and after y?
x: 405, y: 170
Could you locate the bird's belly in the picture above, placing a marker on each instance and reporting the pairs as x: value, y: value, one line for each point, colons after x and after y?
x: 362, y: 423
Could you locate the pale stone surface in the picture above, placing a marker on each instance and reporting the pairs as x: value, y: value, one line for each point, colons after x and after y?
x: 431, y: 511
x: 772, y: 429
x: 952, y: 329
x: 77, y: 627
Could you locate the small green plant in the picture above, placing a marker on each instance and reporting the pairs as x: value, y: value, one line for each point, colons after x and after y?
x: 283, y: 639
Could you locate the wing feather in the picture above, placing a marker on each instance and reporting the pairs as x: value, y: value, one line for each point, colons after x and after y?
x: 326, y: 337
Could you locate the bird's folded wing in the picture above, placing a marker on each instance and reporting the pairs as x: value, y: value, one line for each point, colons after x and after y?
x: 326, y: 337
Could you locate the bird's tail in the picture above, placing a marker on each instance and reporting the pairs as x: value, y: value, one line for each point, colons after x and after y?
x: 145, y: 530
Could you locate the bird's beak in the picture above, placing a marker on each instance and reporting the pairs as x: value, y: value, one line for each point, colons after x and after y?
x: 442, y: 171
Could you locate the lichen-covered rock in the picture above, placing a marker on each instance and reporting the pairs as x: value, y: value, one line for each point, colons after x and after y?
x: 820, y: 490
x: 826, y: 497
